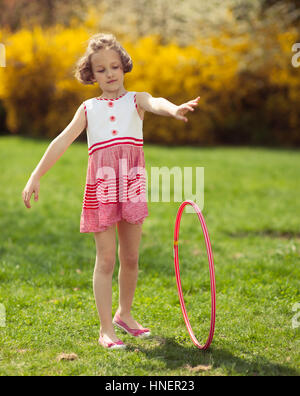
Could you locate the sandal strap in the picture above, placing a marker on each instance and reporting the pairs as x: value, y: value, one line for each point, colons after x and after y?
x: 135, y: 332
x: 109, y: 344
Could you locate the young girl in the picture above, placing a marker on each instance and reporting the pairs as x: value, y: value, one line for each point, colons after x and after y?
x: 113, y: 196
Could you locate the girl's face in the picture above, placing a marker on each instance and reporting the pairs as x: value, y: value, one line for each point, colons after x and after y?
x: 107, y: 69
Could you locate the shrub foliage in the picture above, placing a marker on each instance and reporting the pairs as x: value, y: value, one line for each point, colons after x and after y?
x: 250, y: 91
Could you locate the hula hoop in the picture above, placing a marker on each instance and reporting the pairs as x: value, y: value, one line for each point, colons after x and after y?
x: 211, y: 272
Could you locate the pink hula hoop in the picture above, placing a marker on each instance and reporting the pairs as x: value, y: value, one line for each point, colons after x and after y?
x: 211, y: 272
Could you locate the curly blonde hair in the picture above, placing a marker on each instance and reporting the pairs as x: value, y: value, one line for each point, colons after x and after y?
x: 83, y: 69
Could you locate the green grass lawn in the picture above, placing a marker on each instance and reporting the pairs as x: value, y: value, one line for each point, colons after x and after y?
x: 252, y: 210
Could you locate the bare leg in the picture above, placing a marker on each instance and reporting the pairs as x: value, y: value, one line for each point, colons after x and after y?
x: 102, y: 280
x: 128, y: 251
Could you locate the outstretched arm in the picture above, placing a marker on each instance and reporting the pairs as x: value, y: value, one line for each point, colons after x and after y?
x: 54, y: 151
x: 163, y: 107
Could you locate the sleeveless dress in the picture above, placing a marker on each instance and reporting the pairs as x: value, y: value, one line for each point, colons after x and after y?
x: 116, y: 179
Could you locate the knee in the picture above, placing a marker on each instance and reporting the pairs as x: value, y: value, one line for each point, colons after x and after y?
x: 105, y: 265
x: 130, y: 261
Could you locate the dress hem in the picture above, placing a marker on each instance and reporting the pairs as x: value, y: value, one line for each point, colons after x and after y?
x: 105, y: 227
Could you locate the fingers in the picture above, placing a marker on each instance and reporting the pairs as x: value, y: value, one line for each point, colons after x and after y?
x: 30, y: 188
x: 182, y: 118
x: 194, y: 101
x: 189, y: 107
x: 26, y: 198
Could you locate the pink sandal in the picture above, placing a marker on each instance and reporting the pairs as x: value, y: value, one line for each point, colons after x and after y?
x: 134, y: 332
x: 111, y: 345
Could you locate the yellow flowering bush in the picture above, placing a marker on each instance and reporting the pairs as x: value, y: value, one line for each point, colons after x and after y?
x: 242, y: 100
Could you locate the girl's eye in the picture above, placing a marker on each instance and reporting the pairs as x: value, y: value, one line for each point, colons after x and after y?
x: 102, y: 71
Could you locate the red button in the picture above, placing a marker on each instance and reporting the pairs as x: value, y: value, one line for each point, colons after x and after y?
x: 110, y: 104
x: 112, y: 118
x: 114, y: 132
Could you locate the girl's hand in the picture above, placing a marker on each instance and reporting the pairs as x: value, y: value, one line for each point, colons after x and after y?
x: 184, y: 108
x: 32, y: 186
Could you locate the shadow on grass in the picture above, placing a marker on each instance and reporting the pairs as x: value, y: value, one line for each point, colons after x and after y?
x: 177, y: 356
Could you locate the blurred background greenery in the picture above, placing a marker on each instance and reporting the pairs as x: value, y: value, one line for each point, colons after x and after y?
x: 235, y: 54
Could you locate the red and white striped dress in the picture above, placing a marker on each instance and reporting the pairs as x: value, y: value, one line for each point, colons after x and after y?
x: 116, y: 178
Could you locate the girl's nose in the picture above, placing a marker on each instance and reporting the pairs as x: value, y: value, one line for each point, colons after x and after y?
x: 109, y: 73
